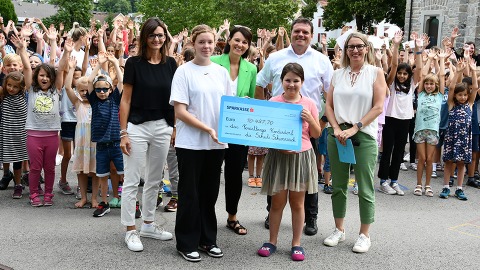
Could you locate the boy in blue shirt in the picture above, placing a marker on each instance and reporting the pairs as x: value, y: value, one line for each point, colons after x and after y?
x: 105, y: 102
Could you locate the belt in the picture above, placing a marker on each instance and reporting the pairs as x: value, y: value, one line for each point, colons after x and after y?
x: 108, y: 144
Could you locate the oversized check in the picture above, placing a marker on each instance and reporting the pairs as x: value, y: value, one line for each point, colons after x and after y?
x: 260, y: 123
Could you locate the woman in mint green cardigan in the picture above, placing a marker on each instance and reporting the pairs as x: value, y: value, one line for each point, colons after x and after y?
x: 243, y: 78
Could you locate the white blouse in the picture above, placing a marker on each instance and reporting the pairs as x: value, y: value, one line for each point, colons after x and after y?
x: 352, y: 102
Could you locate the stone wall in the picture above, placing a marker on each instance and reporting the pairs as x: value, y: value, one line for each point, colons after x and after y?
x: 461, y: 13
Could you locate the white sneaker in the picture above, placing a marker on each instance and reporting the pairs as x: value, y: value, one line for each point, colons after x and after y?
x: 406, y: 158
x: 413, y: 166
x: 362, y: 245
x: 355, y: 189
x: 403, y: 167
x: 397, y: 189
x: 155, y: 232
x: 385, y: 188
x: 434, y: 174
x: 334, y: 238
x: 58, y: 160
x: 132, y: 239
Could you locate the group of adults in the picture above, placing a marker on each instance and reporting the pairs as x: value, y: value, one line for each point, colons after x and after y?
x: 162, y: 101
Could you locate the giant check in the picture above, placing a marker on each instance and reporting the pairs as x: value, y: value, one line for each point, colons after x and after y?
x: 260, y: 123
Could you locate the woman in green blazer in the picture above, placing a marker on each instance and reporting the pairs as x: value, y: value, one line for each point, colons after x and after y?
x: 242, y: 78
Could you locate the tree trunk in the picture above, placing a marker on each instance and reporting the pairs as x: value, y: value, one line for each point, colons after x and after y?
x: 359, y: 21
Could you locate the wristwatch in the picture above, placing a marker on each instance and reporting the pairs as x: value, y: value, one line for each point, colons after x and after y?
x: 359, y: 125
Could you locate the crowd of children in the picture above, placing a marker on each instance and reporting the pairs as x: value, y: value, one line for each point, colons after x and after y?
x: 73, y: 86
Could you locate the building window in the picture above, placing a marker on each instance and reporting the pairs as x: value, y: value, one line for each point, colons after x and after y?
x: 319, y: 22
x: 431, y: 29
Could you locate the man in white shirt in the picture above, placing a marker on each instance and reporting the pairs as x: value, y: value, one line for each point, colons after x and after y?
x: 318, y: 74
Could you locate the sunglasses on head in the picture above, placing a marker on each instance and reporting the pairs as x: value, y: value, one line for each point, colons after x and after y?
x: 104, y: 90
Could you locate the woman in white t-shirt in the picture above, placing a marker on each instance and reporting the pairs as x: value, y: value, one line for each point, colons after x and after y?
x: 197, y: 87
x: 354, y: 102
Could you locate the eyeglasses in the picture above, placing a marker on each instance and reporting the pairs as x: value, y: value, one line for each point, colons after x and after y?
x: 153, y: 36
x: 358, y: 47
x: 104, y: 90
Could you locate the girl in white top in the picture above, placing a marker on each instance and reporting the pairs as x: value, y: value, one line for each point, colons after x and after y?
x: 401, y: 82
x: 197, y: 87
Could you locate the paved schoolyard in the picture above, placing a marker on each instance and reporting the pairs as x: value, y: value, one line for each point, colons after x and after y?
x: 409, y: 232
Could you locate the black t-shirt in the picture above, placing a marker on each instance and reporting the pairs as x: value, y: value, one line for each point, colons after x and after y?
x: 151, y: 89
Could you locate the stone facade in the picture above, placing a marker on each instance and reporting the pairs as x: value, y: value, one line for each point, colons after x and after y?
x: 465, y: 14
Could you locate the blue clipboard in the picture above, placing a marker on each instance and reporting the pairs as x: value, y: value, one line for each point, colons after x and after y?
x: 346, y: 152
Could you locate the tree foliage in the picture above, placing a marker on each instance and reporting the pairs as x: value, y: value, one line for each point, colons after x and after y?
x: 180, y: 14
x: 7, y: 11
x: 115, y: 6
x: 259, y: 13
x: 365, y: 13
x: 71, y: 11
x: 251, y: 13
x: 309, y: 9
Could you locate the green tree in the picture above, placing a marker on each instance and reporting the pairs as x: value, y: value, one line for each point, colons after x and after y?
x: 115, y: 6
x: 365, y: 13
x: 7, y: 11
x: 133, y: 5
x: 71, y: 11
x: 309, y: 9
x: 251, y: 13
x: 259, y: 13
x: 180, y: 14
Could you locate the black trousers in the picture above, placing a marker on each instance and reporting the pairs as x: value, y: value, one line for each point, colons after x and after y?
x: 235, y: 159
x: 394, y: 137
x: 413, y: 145
x: 198, y: 186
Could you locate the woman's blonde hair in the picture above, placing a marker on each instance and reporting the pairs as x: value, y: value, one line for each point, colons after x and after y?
x: 369, y: 58
x: 77, y: 32
x: 200, y: 29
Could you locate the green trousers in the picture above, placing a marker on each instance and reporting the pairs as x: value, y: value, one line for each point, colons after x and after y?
x: 366, y: 157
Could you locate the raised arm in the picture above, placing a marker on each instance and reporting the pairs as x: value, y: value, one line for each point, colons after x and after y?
x: 418, y: 60
x: 393, y: 70
x: 67, y: 51
x: 458, y: 75
x: 52, y: 38
x: 279, y: 44
x: 72, y: 63
x: 118, y: 71
x: 102, y: 59
x: 21, y: 45
x: 441, y: 72
x: 473, y: 93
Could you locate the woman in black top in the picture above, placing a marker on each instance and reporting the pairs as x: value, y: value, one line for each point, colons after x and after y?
x: 147, y: 124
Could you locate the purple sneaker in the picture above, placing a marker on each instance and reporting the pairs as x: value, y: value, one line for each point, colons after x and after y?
x: 35, y: 200
x: 47, y: 199
x: 17, y: 192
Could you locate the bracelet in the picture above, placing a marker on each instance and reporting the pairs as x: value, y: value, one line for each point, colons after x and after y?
x: 123, y: 131
x: 420, y: 52
x: 124, y: 135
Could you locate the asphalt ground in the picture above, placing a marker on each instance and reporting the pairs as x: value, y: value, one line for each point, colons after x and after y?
x: 410, y: 232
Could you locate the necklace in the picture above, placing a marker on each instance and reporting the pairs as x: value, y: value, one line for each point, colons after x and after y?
x: 353, y: 77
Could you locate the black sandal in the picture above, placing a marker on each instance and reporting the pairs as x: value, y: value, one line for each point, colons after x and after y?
x: 235, y: 226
